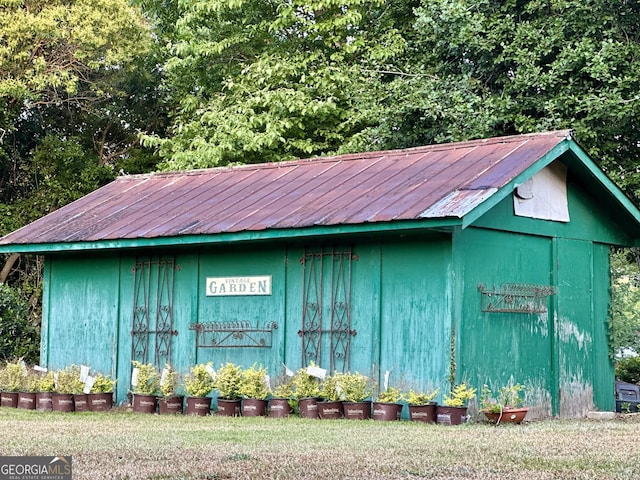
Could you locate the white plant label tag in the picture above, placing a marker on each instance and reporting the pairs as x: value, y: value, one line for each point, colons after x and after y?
x: 38, y: 368
x: 287, y: 371
x: 267, y: 381
x: 386, y: 379
x: 88, y: 384
x: 55, y: 379
x: 163, y: 377
x: 317, y: 372
x: 134, y: 377
x: 211, y: 371
x: 84, y: 373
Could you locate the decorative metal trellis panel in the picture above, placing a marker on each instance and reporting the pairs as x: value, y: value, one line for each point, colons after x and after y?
x: 326, y: 307
x: 152, y: 330
x: 233, y: 334
x: 516, y: 298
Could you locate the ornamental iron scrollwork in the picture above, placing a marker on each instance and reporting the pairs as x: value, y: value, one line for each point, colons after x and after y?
x: 326, y: 307
x: 233, y: 334
x: 516, y: 298
x: 152, y: 327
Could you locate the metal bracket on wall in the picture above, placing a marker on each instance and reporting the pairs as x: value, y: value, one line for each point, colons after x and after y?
x: 515, y: 298
x: 233, y: 334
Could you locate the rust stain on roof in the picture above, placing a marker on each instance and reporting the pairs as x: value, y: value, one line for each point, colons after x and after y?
x: 438, y: 181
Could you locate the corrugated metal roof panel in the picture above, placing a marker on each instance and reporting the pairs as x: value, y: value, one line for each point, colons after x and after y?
x: 437, y: 181
x: 457, y: 203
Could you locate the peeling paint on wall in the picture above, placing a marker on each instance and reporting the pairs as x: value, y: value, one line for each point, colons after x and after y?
x: 568, y: 331
x: 538, y: 400
x: 576, y: 397
x: 542, y: 324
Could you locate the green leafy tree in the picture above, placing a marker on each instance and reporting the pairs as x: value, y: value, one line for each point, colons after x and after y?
x: 624, y: 333
x: 256, y: 81
x: 77, y: 84
x: 628, y: 369
x: 515, y: 67
x: 252, y: 81
x: 19, y: 337
x: 59, y: 50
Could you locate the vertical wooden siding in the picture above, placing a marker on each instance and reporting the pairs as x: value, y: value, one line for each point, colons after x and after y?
x: 415, y: 312
x: 496, y: 348
x: 585, y: 376
x: 81, y: 312
x: 399, y: 309
x: 407, y: 296
x: 561, y: 355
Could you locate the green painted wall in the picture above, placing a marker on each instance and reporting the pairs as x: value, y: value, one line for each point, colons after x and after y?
x: 399, y: 309
x: 407, y: 296
x: 399, y: 300
x: 561, y: 355
x: 497, y: 348
x: 415, y: 319
x: 82, y: 311
x: 185, y: 307
x: 585, y: 371
x: 256, y: 310
x: 364, y: 312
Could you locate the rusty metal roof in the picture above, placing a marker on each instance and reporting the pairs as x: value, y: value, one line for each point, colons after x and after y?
x: 438, y: 181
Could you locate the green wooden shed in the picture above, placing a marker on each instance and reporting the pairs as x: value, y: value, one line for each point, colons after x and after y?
x: 484, y: 261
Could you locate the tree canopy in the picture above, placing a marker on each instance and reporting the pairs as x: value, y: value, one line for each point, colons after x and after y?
x: 69, y: 84
x: 76, y: 86
x: 540, y: 65
x: 255, y: 80
x: 92, y: 88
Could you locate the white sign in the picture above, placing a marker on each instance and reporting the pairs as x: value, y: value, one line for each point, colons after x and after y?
x: 88, y: 384
x: 84, y: 373
x: 229, y: 286
x: 317, y: 372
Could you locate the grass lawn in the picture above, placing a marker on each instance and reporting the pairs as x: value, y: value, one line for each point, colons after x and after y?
x: 118, y: 445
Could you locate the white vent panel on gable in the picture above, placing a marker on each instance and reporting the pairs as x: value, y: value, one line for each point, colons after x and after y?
x: 544, y: 196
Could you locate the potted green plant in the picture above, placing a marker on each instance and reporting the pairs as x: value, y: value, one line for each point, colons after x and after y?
x: 170, y: 402
x: 101, y: 393
x: 44, y: 395
x: 387, y: 405
x: 422, y: 408
x: 306, y: 390
x: 330, y: 406
x: 355, y: 389
x: 198, y: 384
x: 255, y: 390
x: 67, y: 384
x: 506, y: 407
x: 145, y: 380
x: 27, y: 394
x: 13, y: 379
x: 80, y: 396
x: 454, y: 410
x: 227, y: 384
x: 281, y: 402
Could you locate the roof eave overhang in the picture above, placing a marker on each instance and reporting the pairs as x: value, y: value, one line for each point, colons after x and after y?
x: 398, y: 226
x: 587, y: 167
x: 477, y: 212
x: 598, y: 175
